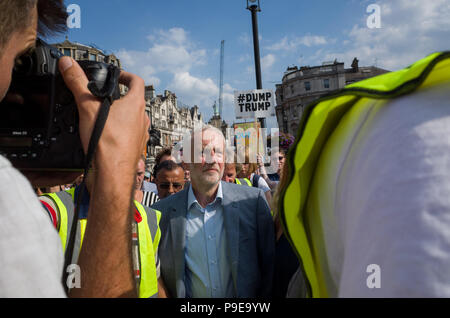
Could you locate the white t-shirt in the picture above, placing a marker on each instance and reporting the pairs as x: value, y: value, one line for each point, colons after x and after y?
x: 31, y: 256
x: 262, y: 184
x: 385, y: 207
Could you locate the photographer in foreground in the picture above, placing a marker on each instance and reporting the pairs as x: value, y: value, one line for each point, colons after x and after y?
x: 30, y: 253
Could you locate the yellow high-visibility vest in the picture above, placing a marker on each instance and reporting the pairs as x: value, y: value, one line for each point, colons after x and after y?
x: 243, y: 181
x: 320, y: 120
x: 149, y: 235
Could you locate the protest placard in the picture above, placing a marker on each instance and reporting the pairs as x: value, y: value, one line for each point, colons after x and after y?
x: 259, y: 103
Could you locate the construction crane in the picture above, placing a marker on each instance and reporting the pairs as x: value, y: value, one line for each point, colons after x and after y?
x: 222, y: 49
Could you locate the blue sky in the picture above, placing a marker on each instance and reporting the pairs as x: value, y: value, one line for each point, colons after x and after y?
x: 175, y: 45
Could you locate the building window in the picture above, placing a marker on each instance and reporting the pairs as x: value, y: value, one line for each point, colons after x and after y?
x: 67, y: 52
x: 92, y: 57
x: 292, y: 89
x: 308, y: 86
x: 163, y: 112
x: 326, y: 83
x: 80, y: 54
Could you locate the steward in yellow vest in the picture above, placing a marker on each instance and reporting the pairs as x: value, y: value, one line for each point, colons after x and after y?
x: 145, y: 231
x: 347, y: 228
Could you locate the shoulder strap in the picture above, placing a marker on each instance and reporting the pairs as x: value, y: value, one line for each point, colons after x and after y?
x: 255, y: 180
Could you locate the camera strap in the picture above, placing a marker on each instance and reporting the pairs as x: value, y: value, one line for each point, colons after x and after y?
x: 107, y: 94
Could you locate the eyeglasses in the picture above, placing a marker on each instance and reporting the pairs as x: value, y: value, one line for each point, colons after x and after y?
x: 166, y: 185
x: 280, y: 158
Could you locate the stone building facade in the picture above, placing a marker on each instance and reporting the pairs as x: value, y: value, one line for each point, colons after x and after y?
x: 82, y: 52
x: 170, y: 119
x: 301, y: 86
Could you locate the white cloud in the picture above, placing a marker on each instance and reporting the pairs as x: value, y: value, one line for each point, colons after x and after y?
x: 410, y: 30
x: 170, y: 51
x: 228, y: 94
x: 292, y: 43
x: 244, y: 38
x: 193, y: 89
x: 244, y: 58
x: 267, y: 62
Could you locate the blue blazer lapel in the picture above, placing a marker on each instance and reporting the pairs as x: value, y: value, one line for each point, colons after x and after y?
x: 231, y: 221
x: 178, y: 234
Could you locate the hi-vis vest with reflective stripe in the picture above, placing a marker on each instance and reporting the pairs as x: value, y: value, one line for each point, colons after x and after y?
x: 243, y: 181
x: 148, y: 230
x: 318, y: 123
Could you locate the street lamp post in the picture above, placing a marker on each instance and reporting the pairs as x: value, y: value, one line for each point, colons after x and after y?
x: 254, y: 7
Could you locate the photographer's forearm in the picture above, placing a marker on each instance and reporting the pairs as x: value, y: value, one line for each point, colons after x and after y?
x: 105, y: 259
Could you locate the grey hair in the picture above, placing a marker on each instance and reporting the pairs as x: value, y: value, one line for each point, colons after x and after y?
x: 205, y: 127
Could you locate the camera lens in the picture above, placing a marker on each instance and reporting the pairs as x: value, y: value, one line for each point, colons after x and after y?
x: 24, y: 64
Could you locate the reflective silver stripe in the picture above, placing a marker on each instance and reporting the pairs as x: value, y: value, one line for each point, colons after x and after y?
x: 152, y: 221
x: 67, y: 200
x: 77, y: 247
x: 154, y: 296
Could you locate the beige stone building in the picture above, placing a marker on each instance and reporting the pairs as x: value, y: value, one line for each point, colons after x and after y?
x: 301, y: 86
x: 82, y: 52
x: 171, y: 119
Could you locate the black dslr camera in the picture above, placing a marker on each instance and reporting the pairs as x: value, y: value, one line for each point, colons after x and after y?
x: 39, y: 116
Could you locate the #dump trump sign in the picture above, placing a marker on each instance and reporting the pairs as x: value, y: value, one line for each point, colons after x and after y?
x: 259, y: 103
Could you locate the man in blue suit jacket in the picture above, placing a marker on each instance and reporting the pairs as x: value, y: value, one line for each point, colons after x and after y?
x: 217, y: 238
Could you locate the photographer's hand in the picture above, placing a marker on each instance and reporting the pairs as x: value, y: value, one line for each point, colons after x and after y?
x: 105, y: 259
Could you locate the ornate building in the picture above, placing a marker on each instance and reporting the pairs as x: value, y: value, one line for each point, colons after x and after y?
x: 166, y: 116
x: 301, y: 86
x: 172, y: 120
x: 81, y: 52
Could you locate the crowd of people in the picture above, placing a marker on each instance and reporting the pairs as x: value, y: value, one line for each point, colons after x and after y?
x: 365, y: 186
x: 202, y: 197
